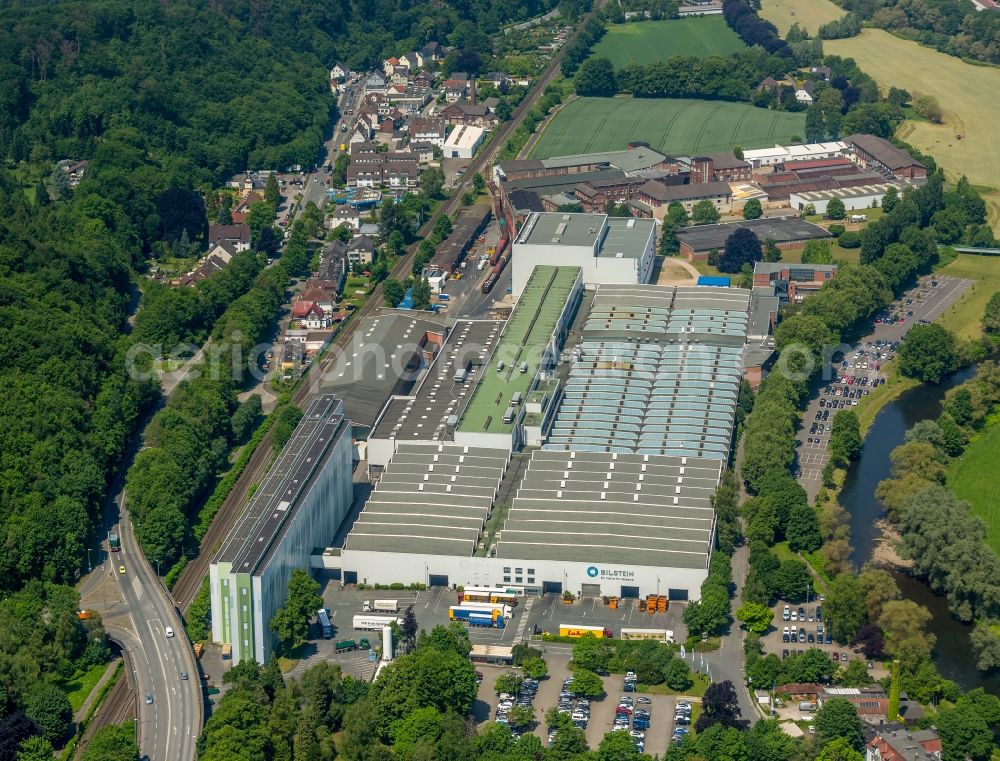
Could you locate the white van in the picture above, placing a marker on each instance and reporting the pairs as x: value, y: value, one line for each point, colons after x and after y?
x: 786, y: 614
x: 169, y: 632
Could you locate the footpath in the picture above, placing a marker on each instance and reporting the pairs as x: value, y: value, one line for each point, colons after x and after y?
x: 79, y: 715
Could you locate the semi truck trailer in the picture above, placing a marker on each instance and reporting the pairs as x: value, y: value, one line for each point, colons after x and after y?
x: 374, y: 623
x: 578, y: 630
x: 381, y: 606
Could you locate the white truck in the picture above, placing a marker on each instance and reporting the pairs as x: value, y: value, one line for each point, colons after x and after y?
x: 658, y: 635
x: 373, y: 623
x: 381, y: 606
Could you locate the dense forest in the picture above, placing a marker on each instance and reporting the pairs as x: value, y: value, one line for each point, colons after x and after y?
x: 955, y: 27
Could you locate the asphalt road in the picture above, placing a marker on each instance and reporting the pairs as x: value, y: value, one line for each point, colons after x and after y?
x: 169, y: 727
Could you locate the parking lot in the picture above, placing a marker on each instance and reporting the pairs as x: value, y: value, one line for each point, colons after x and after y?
x: 773, y: 641
x: 661, y: 708
x: 852, y: 375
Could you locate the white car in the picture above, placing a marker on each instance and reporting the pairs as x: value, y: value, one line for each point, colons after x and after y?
x: 787, y: 613
x: 169, y: 632
x: 794, y: 616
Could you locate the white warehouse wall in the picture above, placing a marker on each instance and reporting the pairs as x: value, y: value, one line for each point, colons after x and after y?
x: 389, y: 567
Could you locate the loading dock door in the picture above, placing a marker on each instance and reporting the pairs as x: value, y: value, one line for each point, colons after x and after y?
x: 437, y: 580
x: 630, y: 592
x: 677, y: 594
x: 590, y: 590
x: 551, y: 587
x: 350, y: 577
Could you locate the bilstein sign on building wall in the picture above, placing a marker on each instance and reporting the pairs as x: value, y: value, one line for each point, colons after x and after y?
x: 611, y: 574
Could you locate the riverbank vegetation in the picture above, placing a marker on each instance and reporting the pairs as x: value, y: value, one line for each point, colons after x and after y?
x: 953, y: 543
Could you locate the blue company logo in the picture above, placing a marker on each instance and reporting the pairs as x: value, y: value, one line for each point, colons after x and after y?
x: 592, y: 572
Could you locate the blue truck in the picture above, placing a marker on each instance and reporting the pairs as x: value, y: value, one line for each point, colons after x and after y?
x: 486, y: 620
x: 480, y: 615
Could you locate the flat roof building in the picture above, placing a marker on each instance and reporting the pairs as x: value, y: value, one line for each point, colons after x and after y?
x: 300, y: 504
x: 780, y: 153
x: 606, y: 249
x: 386, y: 357
x: 787, y: 232
x: 618, y: 499
x: 463, y: 142
x: 861, y: 197
x: 428, y: 413
x: 530, y: 345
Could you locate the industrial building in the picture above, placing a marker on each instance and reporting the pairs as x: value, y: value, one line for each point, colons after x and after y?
x: 862, y: 197
x: 635, y: 423
x: 762, y: 157
x: 788, y: 233
x: 386, y: 357
x: 606, y: 249
x: 463, y: 142
x: 301, y: 502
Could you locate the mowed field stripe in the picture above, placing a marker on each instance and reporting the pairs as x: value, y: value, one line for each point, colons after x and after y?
x: 583, y: 126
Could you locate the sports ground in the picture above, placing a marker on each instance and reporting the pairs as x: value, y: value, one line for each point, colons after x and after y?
x: 645, y: 42
x: 679, y: 126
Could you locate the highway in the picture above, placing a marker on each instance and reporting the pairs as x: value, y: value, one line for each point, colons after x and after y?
x: 136, y: 611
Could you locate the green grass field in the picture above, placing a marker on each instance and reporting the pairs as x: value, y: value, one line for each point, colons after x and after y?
x: 80, y: 685
x: 973, y: 478
x: 964, y: 318
x: 645, y: 42
x: 680, y: 125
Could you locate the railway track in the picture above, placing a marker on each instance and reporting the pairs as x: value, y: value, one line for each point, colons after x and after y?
x: 191, y: 578
x: 120, y: 702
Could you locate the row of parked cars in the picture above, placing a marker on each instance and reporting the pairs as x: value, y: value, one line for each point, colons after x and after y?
x: 525, y: 697
x: 791, y: 635
x: 577, y: 707
x: 682, y: 718
x: 632, y: 719
x: 790, y: 614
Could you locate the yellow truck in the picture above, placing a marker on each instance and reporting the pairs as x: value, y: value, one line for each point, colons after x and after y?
x: 579, y: 630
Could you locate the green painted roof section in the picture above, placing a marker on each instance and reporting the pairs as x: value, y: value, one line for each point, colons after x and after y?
x: 528, y: 330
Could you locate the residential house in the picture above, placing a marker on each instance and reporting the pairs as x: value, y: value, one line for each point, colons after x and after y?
x: 339, y: 72
x: 345, y: 215
x: 376, y: 103
x: 321, y: 292
x: 238, y: 236
x: 432, y: 51
x: 824, y: 72
x: 361, y: 250
x: 474, y: 114
x: 333, y: 264
x: 423, y: 81
x: 804, y: 92
x: 770, y: 84
x: 491, y: 103
x: 74, y: 170
x: 423, y: 150
x: 375, y: 81
x: 895, y: 742
x: 412, y: 99
x: 310, y: 315
x: 388, y: 64
x: 240, y: 211
x: 498, y: 79
x: 400, y: 75
x: 412, y: 60
x: 460, y: 75
x: 218, y: 257
x: 454, y: 89
x: 428, y: 129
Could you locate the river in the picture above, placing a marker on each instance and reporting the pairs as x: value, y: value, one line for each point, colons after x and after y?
x: 953, y: 654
